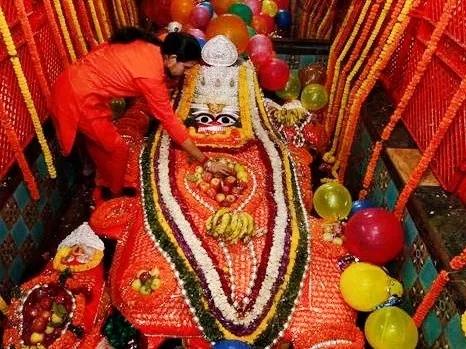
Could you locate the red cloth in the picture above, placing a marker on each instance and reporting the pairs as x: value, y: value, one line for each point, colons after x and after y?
x: 81, y: 95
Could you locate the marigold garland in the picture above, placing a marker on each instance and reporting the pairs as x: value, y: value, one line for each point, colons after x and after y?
x: 103, y: 14
x: 429, y: 152
x: 362, y: 92
x: 32, y: 47
x: 89, y: 35
x: 70, y: 13
x: 26, y: 93
x: 120, y: 13
x: 132, y: 7
x: 459, y: 262
x: 64, y: 29
x: 327, y: 21
x: 96, y: 22
x: 408, y: 93
x: 56, y: 32
x: 115, y: 15
x: 188, y: 94
x: 128, y: 12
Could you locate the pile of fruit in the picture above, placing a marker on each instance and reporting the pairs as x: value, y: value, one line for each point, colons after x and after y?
x: 46, y: 313
x: 231, y: 227
x: 225, y: 190
x: 147, y: 281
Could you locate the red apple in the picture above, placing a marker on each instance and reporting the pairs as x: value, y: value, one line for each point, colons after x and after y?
x: 226, y: 189
x: 39, y: 324
x: 225, y: 203
x: 204, y: 186
x: 207, y: 176
x: 45, y: 315
x: 219, y: 197
x: 144, y: 277
x: 236, y: 190
x: 215, y: 183
x: 32, y: 311
x: 211, y: 192
x: 46, y: 303
x: 230, y: 198
x: 230, y: 180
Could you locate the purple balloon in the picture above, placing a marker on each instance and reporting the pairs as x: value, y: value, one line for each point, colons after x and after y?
x: 197, y: 33
x: 200, y: 17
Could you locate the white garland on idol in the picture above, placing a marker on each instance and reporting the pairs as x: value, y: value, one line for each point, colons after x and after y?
x: 205, y: 263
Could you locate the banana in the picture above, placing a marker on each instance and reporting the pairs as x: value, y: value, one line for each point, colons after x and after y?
x: 244, y: 226
x: 250, y: 225
x: 220, y: 229
x: 234, y: 237
x: 233, y: 223
x: 217, y: 216
x: 208, y: 224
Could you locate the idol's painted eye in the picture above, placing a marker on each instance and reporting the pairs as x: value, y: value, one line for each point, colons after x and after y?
x: 227, y: 119
x: 203, y: 117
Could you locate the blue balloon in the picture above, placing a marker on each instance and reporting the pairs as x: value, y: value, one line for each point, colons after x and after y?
x: 201, y: 42
x: 283, y: 18
x: 231, y: 345
x: 360, y: 205
x: 208, y: 6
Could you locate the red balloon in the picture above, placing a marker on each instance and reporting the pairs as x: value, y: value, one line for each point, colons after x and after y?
x: 274, y: 74
x: 200, y: 17
x: 157, y: 11
x: 260, y: 24
x: 259, y: 49
x: 374, y: 235
x: 270, y: 22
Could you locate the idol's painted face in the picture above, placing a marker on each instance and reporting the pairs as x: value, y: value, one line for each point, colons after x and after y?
x: 214, y: 118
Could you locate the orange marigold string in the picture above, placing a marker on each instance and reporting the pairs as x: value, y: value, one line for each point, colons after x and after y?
x: 327, y: 22
x: 459, y: 262
x: 387, y: 51
x: 32, y: 47
x: 64, y: 29
x: 75, y: 28
x: 19, y: 155
x: 96, y: 22
x: 103, y: 13
x: 55, y: 31
x: 408, y: 93
x: 84, y: 19
x: 429, y: 153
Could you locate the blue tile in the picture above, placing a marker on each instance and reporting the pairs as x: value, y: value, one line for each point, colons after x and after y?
x: 408, y: 275
x: 410, y: 231
x: 41, y: 166
x: 3, y: 230
x: 21, y: 196
x: 391, y: 195
x: 455, y: 335
x: 37, y: 233
x: 307, y: 59
x: 428, y: 274
x: 16, y: 270
x: 2, y: 273
x: 19, y: 232
x: 432, y: 328
x: 55, y: 200
x: 42, y: 200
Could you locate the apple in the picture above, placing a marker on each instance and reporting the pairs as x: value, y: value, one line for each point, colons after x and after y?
x: 204, y: 186
x: 230, y: 180
x: 215, y: 183
x: 242, y: 176
x: 239, y: 168
x: 136, y: 285
x: 144, y: 277
x: 46, y: 303
x: 225, y: 203
x: 33, y: 311
x: 199, y: 170
x: 45, y: 315
x: 211, y: 192
x: 39, y: 324
x: 236, y: 190
x: 230, y: 198
x: 155, y: 284
x: 226, y: 189
x: 56, y: 319
x: 219, y: 197
x: 49, y: 329
x: 155, y: 272
x: 36, y: 337
x: 207, y: 176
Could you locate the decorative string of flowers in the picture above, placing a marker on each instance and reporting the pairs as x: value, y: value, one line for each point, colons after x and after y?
x: 120, y: 13
x: 26, y: 93
x: 70, y: 13
x: 362, y: 92
x: 64, y: 29
x: 134, y: 10
x: 95, y: 20
x: 327, y: 21
x: 129, y: 12
x: 55, y: 31
x: 188, y: 94
x: 32, y: 47
x: 89, y: 35
x: 245, y: 102
x: 104, y: 15
x: 429, y: 152
x: 408, y: 93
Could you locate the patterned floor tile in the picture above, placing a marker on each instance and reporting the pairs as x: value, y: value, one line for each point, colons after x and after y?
x: 16, y: 270
x: 30, y: 214
x: 455, y: 335
x: 391, y: 195
x: 37, y: 233
x: 21, y: 195
x: 41, y: 167
x: 441, y: 343
x: 408, y: 274
x: 431, y: 328
x: 3, y: 230
x: 10, y: 213
x: 445, y: 307
x: 411, y: 231
x: 8, y: 251
x: 28, y: 250
x: 19, y: 232
x: 416, y: 294
x: 428, y: 274
x: 418, y: 253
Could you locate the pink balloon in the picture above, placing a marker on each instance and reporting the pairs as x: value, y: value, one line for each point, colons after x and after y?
x: 259, y: 49
x: 274, y: 74
x: 254, y: 5
x: 200, y: 17
x: 197, y: 33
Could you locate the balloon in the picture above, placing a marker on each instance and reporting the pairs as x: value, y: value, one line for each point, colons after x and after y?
x: 157, y: 11
x: 221, y: 6
x: 314, y: 97
x: 242, y: 11
x: 260, y: 24
x: 283, y: 18
x: 230, y: 344
x: 332, y: 201
x: 259, y: 49
x: 374, y: 235
x: 201, y: 42
x: 314, y: 73
x: 180, y: 10
x: 251, y: 31
x: 364, y: 286
x: 359, y: 205
x: 200, y: 17
x: 274, y: 74
x: 283, y: 4
x: 292, y: 88
x: 391, y: 328
x: 208, y: 6
x: 269, y: 7
x: 197, y: 33
x: 254, y: 5
x: 231, y: 26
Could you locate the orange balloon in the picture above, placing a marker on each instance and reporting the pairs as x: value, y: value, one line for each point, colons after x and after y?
x: 221, y: 6
x: 260, y: 25
x: 180, y: 10
x: 232, y: 27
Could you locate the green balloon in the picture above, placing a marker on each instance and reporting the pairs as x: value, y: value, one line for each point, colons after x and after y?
x: 292, y: 88
x: 251, y: 31
x: 314, y: 97
x: 242, y: 11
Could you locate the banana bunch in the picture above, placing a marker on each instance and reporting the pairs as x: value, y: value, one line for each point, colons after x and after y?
x: 289, y: 117
x: 231, y: 227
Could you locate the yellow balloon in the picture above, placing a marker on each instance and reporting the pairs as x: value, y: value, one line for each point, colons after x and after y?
x: 269, y: 7
x: 391, y: 328
x: 332, y: 201
x: 365, y: 286
x: 314, y: 97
